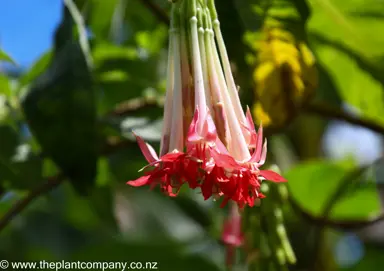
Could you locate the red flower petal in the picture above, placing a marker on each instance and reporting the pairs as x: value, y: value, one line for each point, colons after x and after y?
x: 147, y: 150
x: 224, y: 160
x: 272, y: 176
x: 140, y: 181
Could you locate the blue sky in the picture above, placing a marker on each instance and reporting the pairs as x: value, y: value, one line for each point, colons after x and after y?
x: 26, y: 28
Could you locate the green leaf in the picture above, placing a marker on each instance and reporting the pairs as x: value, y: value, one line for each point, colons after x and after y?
x: 351, y: 73
x: 60, y: 108
x: 121, y: 75
x: 5, y: 116
x: 125, y: 164
x: 361, y: 204
x: 100, y: 18
x: 26, y: 169
x: 5, y: 99
x: 344, y: 45
x: 5, y: 87
x: 290, y: 15
x: 338, y: 19
x: 372, y: 258
x: 313, y: 183
x: 152, y: 41
x: 5, y: 57
x: 37, y: 69
x: 9, y: 142
x: 103, y: 173
x: 19, y: 167
x: 75, y: 210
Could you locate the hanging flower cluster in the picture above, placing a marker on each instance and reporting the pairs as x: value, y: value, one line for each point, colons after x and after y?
x: 207, y: 140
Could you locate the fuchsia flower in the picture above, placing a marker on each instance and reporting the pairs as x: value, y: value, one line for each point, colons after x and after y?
x: 220, y: 152
x: 232, y: 235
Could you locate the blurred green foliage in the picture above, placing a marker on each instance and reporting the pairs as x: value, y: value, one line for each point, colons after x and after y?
x: 71, y: 114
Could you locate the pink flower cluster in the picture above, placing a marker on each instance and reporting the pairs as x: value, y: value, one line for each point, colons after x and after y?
x: 207, y: 140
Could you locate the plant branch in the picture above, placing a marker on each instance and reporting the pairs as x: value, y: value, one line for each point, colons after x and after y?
x: 52, y: 182
x: 323, y: 221
x: 133, y: 105
x: 19, y: 206
x: 157, y: 11
x: 326, y: 110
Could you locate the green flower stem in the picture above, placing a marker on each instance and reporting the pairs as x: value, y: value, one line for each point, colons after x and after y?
x: 200, y: 17
x: 212, y: 9
x: 193, y: 8
x: 274, y: 226
x: 269, y: 226
x: 281, y: 232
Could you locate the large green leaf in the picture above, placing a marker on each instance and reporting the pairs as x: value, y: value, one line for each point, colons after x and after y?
x: 341, y: 36
x: 341, y: 20
x: 312, y: 184
x: 60, y: 108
